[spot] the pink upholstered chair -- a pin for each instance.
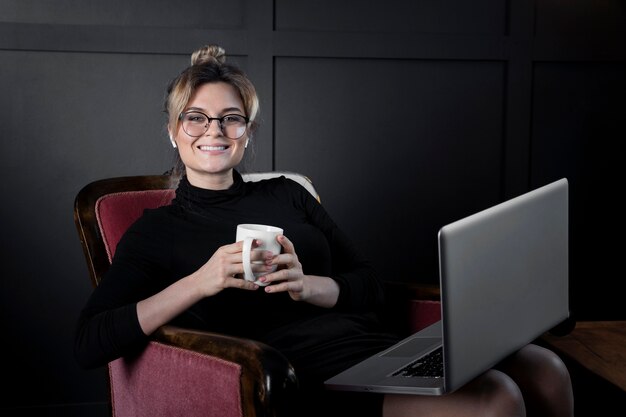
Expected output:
(183, 371)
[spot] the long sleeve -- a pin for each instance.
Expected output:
(108, 326)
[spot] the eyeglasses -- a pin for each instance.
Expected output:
(196, 124)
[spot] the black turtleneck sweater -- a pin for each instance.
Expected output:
(173, 241)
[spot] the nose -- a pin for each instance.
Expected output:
(214, 129)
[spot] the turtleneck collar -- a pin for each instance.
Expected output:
(195, 198)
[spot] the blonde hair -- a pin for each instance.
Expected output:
(209, 53)
(208, 64)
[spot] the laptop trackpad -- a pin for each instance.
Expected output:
(413, 346)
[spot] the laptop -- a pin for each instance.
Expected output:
(504, 281)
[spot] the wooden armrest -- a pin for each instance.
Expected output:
(267, 379)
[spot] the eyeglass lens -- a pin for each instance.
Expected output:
(233, 126)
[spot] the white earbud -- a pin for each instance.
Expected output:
(173, 141)
(246, 144)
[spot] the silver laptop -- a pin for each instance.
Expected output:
(504, 281)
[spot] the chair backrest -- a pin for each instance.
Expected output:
(104, 209)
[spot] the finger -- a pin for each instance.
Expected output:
(286, 244)
(278, 275)
(237, 247)
(257, 261)
(234, 255)
(238, 270)
(285, 286)
(260, 255)
(241, 283)
(283, 258)
(282, 287)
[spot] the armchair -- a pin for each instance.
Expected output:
(177, 372)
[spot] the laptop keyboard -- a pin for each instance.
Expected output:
(430, 365)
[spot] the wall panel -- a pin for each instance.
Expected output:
(388, 143)
(580, 18)
(188, 14)
(400, 16)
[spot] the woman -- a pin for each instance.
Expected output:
(178, 264)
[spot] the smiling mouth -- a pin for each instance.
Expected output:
(213, 148)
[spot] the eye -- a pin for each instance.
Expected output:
(234, 119)
(198, 118)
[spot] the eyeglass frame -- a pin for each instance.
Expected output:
(220, 121)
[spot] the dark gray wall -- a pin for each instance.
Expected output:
(406, 114)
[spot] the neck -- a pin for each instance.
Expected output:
(216, 181)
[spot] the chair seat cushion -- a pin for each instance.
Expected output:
(164, 380)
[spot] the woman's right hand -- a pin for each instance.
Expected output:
(225, 269)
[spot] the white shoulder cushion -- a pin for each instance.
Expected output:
(303, 180)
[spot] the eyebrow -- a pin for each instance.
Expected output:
(224, 111)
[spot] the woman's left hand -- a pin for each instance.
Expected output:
(321, 291)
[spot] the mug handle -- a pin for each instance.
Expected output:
(247, 268)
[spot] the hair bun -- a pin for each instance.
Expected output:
(208, 53)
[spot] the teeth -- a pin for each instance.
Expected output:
(212, 148)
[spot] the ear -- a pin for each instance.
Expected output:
(172, 140)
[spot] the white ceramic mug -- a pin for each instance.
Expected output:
(267, 235)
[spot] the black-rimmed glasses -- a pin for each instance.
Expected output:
(196, 124)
